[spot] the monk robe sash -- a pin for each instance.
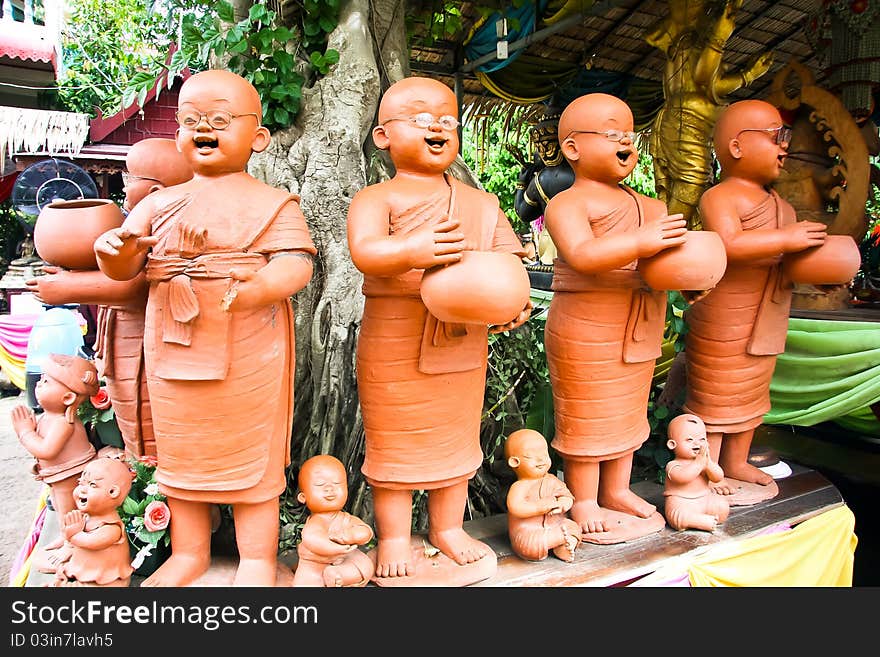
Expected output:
(771, 322)
(200, 351)
(647, 314)
(446, 346)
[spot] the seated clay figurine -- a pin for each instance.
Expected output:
(328, 552)
(94, 532)
(58, 439)
(691, 502)
(538, 501)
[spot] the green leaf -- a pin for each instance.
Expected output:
(239, 47)
(257, 12)
(331, 56)
(661, 412)
(327, 24)
(225, 11)
(281, 116)
(129, 506)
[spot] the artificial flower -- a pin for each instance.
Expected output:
(101, 400)
(157, 515)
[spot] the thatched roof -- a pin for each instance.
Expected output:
(609, 36)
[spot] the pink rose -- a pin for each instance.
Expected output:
(149, 461)
(157, 515)
(101, 400)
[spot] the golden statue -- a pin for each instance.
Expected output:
(695, 83)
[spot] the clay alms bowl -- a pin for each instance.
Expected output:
(65, 232)
(698, 264)
(833, 263)
(484, 287)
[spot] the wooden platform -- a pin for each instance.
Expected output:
(802, 495)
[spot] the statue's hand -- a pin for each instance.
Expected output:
(757, 66)
(435, 244)
(124, 242)
(516, 321)
(654, 237)
(74, 522)
(50, 288)
(23, 419)
(804, 234)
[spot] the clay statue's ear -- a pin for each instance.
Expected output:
(380, 138)
(300, 498)
(68, 398)
(670, 443)
(155, 188)
(570, 150)
(735, 149)
(113, 491)
(262, 137)
(513, 462)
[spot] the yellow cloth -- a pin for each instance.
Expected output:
(13, 367)
(20, 578)
(817, 552)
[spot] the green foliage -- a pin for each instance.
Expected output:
(495, 166)
(642, 177)
(144, 490)
(11, 231)
(105, 45)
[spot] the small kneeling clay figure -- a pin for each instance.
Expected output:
(691, 502)
(538, 501)
(328, 552)
(94, 532)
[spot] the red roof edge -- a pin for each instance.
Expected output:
(100, 127)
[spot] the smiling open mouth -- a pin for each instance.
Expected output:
(623, 156)
(435, 142)
(205, 142)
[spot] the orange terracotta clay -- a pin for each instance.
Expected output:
(421, 380)
(690, 501)
(737, 330)
(698, 264)
(328, 551)
(94, 533)
(223, 253)
(65, 230)
(152, 164)
(538, 502)
(58, 439)
(835, 262)
(605, 325)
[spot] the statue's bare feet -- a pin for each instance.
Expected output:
(458, 546)
(567, 549)
(255, 572)
(627, 502)
(179, 570)
(747, 472)
(589, 516)
(725, 487)
(393, 557)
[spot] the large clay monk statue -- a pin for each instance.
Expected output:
(420, 380)
(737, 330)
(605, 326)
(223, 253)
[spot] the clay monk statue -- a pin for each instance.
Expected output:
(736, 332)
(152, 164)
(421, 381)
(93, 531)
(605, 326)
(222, 253)
(328, 552)
(691, 503)
(58, 439)
(538, 502)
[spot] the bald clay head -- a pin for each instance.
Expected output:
(158, 159)
(212, 150)
(683, 424)
(740, 146)
(412, 148)
(113, 474)
(598, 156)
(518, 440)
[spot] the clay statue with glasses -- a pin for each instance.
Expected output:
(605, 326)
(223, 253)
(736, 331)
(420, 380)
(152, 164)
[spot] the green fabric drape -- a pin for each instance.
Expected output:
(830, 371)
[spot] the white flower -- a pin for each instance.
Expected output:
(142, 554)
(152, 489)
